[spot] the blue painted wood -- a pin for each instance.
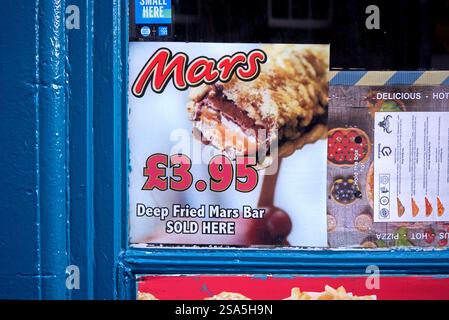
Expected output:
(34, 151)
(155, 261)
(53, 105)
(284, 261)
(97, 148)
(19, 82)
(80, 50)
(110, 110)
(97, 54)
(53, 149)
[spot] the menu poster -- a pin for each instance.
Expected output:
(388, 179)
(411, 177)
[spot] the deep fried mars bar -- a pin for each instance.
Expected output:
(285, 107)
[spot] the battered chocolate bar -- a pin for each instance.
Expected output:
(285, 107)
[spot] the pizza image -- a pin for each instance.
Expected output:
(429, 208)
(363, 222)
(401, 208)
(345, 191)
(440, 207)
(348, 146)
(283, 109)
(415, 208)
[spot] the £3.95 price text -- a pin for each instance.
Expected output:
(173, 172)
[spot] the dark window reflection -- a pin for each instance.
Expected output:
(187, 7)
(280, 9)
(414, 34)
(319, 9)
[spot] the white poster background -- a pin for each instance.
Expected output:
(410, 162)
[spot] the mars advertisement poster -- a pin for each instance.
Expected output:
(227, 144)
(290, 287)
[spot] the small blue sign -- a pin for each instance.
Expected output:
(152, 11)
(145, 31)
(162, 31)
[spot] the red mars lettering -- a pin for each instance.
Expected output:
(163, 66)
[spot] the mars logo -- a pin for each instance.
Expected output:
(163, 66)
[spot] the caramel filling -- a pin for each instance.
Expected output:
(225, 135)
(217, 101)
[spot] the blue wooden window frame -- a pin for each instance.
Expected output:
(99, 167)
